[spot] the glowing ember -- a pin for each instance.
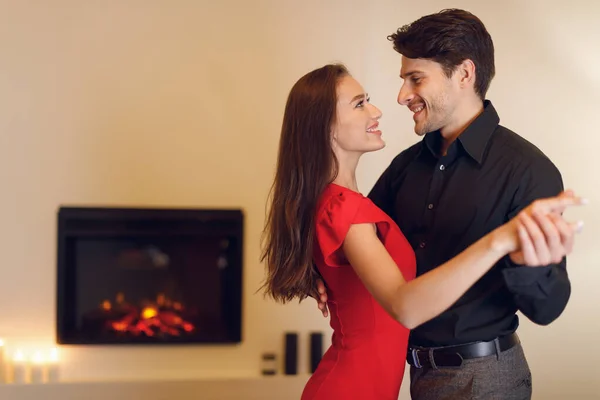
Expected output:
(149, 312)
(162, 317)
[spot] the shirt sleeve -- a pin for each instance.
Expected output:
(540, 293)
(333, 223)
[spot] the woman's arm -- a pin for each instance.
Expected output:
(382, 277)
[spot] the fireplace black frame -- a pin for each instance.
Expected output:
(77, 222)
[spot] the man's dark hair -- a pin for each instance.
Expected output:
(449, 37)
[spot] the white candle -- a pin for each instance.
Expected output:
(19, 368)
(3, 369)
(37, 368)
(53, 370)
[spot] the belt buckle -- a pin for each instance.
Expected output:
(415, 357)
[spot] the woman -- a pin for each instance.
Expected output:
(317, 216)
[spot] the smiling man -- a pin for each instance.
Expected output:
(468, 176)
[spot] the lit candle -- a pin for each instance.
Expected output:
(19, 368)
(3, 369)
(37, 368)
(52, 365)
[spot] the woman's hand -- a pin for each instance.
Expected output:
(538, 235)
(321, 297)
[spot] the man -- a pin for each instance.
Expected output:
(466, 177)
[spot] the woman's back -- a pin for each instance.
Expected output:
(368, 352)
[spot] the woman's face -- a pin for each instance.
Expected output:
(356, 127)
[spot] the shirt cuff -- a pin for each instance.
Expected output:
(520, 275)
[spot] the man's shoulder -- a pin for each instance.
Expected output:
(522, 150)
(407, 155)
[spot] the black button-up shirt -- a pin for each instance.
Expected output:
(443, 204)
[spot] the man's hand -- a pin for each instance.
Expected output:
(322, 298)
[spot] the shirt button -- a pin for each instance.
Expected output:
(422, 244)
(442, 167)
(430, 206)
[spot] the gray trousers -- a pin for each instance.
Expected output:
(503, 377)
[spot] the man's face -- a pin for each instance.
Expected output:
(429, 94)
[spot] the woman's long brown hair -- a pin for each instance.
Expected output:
(306, 164)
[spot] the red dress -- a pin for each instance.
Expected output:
(367, 356)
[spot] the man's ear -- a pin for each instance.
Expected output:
(466, 71)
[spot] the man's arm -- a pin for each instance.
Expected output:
(541, 294)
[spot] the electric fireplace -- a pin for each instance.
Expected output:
(149, 276)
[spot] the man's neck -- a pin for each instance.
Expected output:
(462, 118)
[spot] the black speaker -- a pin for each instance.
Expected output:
(291, 353)
(316, 350)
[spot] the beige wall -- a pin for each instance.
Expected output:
(179, 103)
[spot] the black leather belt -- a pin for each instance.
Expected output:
(453, 356)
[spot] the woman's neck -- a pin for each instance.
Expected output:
(346, 175)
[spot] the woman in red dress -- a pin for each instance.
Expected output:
(319, 219)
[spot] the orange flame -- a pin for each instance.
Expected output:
(149, 312)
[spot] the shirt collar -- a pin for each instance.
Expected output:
(475, 137)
